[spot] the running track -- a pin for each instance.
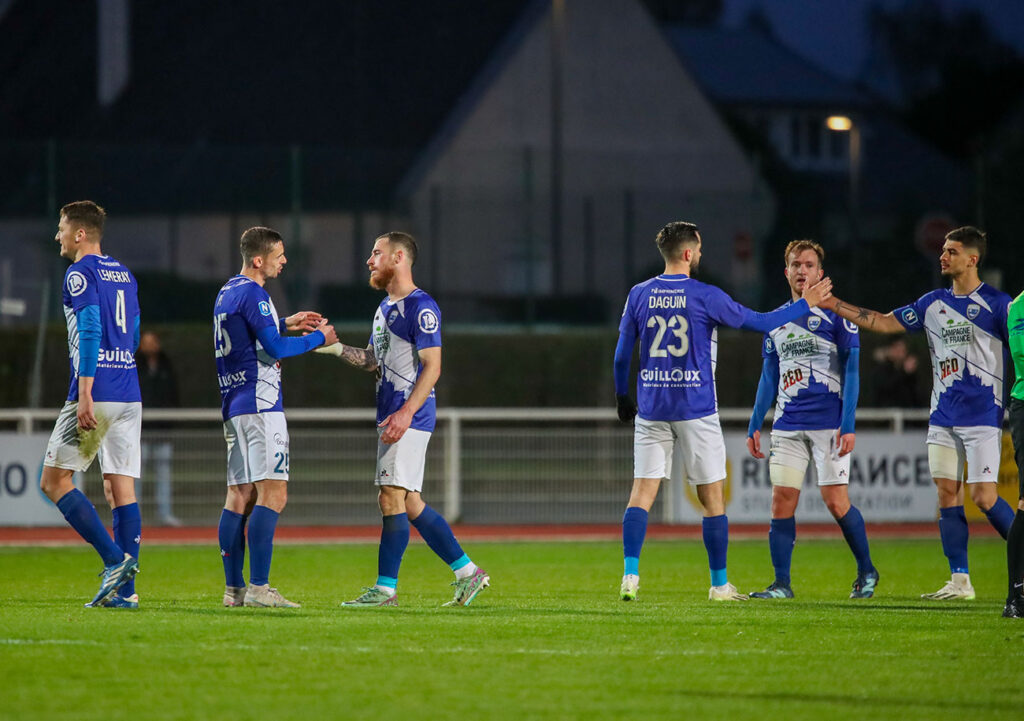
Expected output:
(64, 536)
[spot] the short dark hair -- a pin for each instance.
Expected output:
(671, 239)
(799, 246)
(86, 213)
(408, 243)
(970, 237)
(257, 242)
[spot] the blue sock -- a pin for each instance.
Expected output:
(953, 531)
(1000, 516)
(634, 530)
(262, 523)
(231, 536)
(852, 525)
(781, 537)
(438, 535)
(394, 537)
(716, 541)
(128, 534)
(82, 516)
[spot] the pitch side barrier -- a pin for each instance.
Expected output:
(484, 466)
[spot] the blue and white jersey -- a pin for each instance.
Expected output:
(400, 330)
(676, 320)
(103, 283)
(810, 373)
(967, 337)
(249, 377)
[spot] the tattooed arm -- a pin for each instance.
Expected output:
(867, 319)
(362, 358)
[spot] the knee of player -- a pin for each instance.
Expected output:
(984, 495)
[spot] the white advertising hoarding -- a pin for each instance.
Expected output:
(22, 502)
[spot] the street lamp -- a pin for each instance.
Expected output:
(845, 124)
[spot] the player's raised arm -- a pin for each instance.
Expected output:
(867, 319)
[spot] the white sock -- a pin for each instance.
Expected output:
(386, 589)
(466, 571)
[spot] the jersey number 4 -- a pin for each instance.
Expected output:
(678, 326)
(221, 339)
(120, 314)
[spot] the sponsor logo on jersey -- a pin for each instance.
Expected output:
(909, 316)
(118, 356)
(427, 320)
(769, 346)
(76, 283)
(954, 334)
(676, 300)
(231, 379)
(264, 307)
(813, 323)
(850, 326)
(676, 375)
(972, 311)
(799, 347)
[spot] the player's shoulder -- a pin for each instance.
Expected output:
(994, 296)
(423, 310)
(420, 298)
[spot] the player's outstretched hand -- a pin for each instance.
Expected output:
(306, 320)
(330, 336)
(845, 442)
(818, 292)
(625, 406)
(754, 445)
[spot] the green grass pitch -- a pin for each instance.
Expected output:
(548, 640)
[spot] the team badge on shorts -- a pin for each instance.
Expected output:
(813, 323)
(972, 311)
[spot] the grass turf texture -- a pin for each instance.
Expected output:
(548, 640)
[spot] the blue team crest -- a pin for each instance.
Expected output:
(909, 316)
(427, 320)
(264, 307)
(76, 283)
(813, 323)
(392, 316)
(972, 311)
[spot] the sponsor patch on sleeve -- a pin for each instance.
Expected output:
(427, 320)
(76, 283)
(264, 307)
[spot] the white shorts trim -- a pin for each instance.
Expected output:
(800, 450)
(402, 464)
(257, 446)
(119, 451)
(693, 449)
(979, 446)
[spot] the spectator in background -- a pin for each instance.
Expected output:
(159, 388)
(897, 377)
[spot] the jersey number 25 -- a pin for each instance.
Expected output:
(678, 325)
(221, 338)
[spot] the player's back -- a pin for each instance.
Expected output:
(675, 319)
(249, 378)
(103, 282)
(967, 338)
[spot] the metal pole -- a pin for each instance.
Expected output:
(557, 65)
(453, 469)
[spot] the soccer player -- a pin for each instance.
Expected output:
(811, 365)
(677, 427)
(103, 412)
(405, 353)
(1015, 538)
(967, 337)
(248, 346)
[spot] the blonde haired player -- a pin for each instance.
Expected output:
(810, 365)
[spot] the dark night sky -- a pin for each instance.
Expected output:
(833, 33)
